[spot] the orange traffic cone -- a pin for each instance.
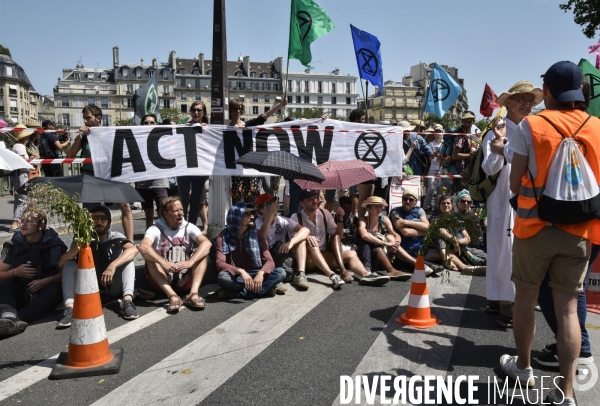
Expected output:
(592, 293)
(89, 353)
(418, 314)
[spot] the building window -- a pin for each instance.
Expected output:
(76, 76)
(393, 102)
(104, 102)
(405, 113)
(242, 97)
(196, 72)
(348, 100)
(182, 71)
(166, 103)
(12, 91)
(320, 100)
(333, 112)
(129, 88)
(320, 87)
(394, 113)
(9, 71)
(290, 99)
(165, 74)
(90, 77)
(263, 75)
(183, 96)
(64, 101)
(289, 85)
(254, 109)
(333, 88)
(129, 103)
(184, 108)
(209, 72)
(348, 88)
(106, 120)
(238, 74)
(276, 75)
(298, 99)
(13, 107)
(166, 88)
(150, 73)
(125, 72)
(403, 92)
(252, 74)
(306, 86)
(254, 98)
(276, 87)
(66, 119)
(267, 98)
(334, 100)
(91, 101)
(267, 109)
(198, 96)
(306, 99)
(404, 103)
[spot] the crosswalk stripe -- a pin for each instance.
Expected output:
(402, 350)
(30, 376)
(191, 374)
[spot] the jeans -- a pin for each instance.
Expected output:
(546, 302)
(365, 252)
(227, 281)
(122, 284)
(15, 298)
(196, 184)
(294, 198)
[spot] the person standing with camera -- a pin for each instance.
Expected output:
(49, 145)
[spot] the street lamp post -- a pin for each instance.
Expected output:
(419, 99)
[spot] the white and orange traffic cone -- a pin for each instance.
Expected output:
(592, 293)
(89, 353)
(418, 314)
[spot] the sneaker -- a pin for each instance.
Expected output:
(10, 326)
(300, 281)
(548, 359)
(554, 398)
(271, 292)
(374, 279)
(428, 270)
(525, 376)
(493, 306)
(397, 275)
(347, 278)
(550, 348)
(505, 321)
(128, 310)
(537, 308)
(225, 294)
(474, 270)
(280, 289)
(66, 320)
(143, 294)
(337, 281)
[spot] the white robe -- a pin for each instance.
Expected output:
(500, 218)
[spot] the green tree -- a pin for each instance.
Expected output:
(445, 121)
(125, 122)
(483, 123)
(173, 114)
(586, 14)
(4, 51)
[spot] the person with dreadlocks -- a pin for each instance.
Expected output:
(246, 268)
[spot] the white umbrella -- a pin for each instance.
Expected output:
(10, 161)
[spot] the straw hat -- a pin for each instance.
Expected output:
(33, 124)
(20, 132)
(374, 201)
(521, 87)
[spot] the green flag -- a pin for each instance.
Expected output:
(307, 23)
(593, 77)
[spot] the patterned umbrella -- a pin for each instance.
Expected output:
(341, 175)
(281, 163)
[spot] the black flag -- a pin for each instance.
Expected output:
(145, 100)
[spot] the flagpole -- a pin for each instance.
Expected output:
(366, 99)
(287, 67)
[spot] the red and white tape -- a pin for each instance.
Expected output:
(61, 161)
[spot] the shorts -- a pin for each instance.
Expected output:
(329, 259)
(151, 196)
(565, 256)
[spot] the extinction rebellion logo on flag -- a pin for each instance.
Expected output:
(305, 23)
(440, 90)
(370, 63)
(594, 82)
(151, 102)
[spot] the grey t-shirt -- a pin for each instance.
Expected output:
(161, 183)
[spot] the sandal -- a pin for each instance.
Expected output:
(194, 301)
(174, 308)
(346, 277)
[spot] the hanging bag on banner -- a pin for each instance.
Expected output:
(571, 194)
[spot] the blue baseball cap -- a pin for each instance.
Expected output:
(564, 82)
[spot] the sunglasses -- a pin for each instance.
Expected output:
(409, 199)
(196, 111)
(237, 109)
(466, 201)
(149, 122)
(101, 217)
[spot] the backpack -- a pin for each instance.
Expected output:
(571, 194)
(44, 147)
(481, 185)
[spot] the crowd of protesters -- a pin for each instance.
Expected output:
(357, 237)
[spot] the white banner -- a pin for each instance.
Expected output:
(131, 154)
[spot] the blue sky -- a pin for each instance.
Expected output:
(498, 42)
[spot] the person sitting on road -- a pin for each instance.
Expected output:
(411, 223)
(176, 255)
(275, 229)
(378, 240)
(113, 259)
(245, 266)
(459, 239)
(463, 203)
(325, 243)
(29, 273)
(350, 234)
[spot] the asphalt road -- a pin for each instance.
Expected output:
(287, 350)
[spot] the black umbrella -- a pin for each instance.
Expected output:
(281, 163)
(90, 189)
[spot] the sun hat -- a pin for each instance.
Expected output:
(564, 82)
(410, 192)
(522, 87)
(406, 126)
(20, 132)
(374, 201)
(467, 115)
(438, 127)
